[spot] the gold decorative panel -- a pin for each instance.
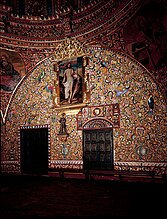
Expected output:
(68, 48)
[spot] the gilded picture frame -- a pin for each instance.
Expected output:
(70, 83)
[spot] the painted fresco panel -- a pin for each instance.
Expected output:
(11, 70)
(146, 36)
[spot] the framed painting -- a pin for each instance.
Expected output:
(70, 80)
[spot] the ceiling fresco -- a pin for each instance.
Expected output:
(146, 36)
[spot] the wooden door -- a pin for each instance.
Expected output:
(98, 149)
(34, 150)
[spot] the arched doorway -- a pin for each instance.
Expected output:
(97, 124)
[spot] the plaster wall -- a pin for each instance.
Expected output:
(113, 78)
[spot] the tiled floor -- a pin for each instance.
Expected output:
(50, 197)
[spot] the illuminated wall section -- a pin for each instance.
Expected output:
(111, 78)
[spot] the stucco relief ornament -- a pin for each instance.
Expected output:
(63, 134)
(70, 47)
(141, 151)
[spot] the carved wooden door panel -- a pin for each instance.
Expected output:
(98, 149)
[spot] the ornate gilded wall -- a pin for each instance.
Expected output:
(112, 78)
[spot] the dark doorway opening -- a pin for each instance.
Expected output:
(98, 149)
(34, 150)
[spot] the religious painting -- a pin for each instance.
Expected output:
(70, 78)
(11, 70)
(146, 36)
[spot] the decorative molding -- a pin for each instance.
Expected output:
(105, 116)
(157, 168)
(68, 48)
(67, 164)
(33, 126)
(10, 162)
(10, 166)
(140, 163)
(97, 124)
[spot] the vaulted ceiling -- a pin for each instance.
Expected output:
(54, 20)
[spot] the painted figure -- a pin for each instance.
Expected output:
(76, 84)
(68, 81)
(8, 75)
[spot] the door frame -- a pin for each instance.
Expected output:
(37, 127)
